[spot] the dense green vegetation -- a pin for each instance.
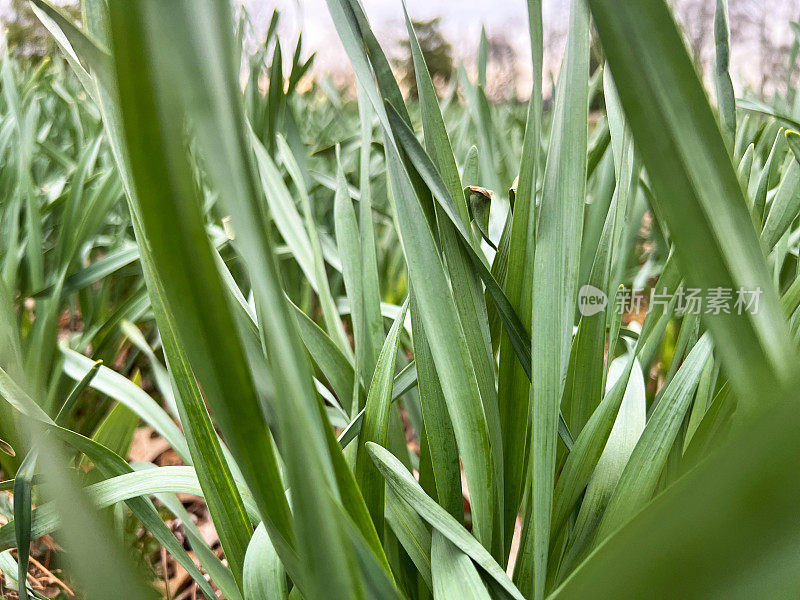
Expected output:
(366, 347)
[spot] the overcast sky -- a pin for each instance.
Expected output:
(461, 20)
(753, 21)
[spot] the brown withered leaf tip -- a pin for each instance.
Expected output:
(512, 191)
(480, 190)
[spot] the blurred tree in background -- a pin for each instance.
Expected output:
(761, 41)
(502, 56)
(437, 51)
(25, 35)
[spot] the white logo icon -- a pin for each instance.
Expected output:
(591, 300)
